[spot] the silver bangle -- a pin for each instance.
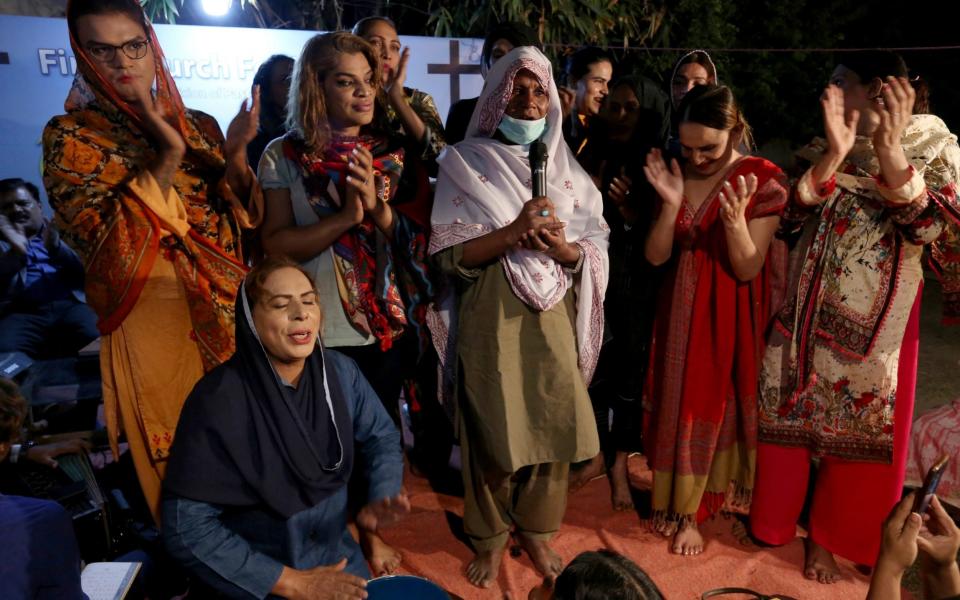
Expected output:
(578, 266)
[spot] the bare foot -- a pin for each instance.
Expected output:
(664, 528)
(688, 541)
(583, 475)
(819, 564)
(547, 562)
(484, 568)
(383, 558)
(620, 484)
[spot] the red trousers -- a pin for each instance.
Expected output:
(851, 499)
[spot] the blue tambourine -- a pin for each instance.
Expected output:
(404, 587)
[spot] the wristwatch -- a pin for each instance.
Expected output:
(18, 450)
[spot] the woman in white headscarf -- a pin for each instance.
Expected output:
(519, 329)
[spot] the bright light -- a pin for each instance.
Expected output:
(216, 8)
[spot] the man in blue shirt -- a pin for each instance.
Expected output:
(42, 308)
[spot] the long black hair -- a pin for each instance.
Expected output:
(880, 64)
(517, 34)
(604, 575)
(263, 79)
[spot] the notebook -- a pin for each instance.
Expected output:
(108, 580)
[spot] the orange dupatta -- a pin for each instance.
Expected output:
(92, 155)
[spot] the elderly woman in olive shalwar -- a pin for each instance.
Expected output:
(523, 323)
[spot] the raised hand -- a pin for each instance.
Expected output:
(841, 129)
(733, 203)
(667, 182)
(383, 512)
(171, 141)
(396, 78)
(895, 111)
(242, 129)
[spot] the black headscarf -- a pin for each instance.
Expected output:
(653, 125)
(610, 157)
(246, 439)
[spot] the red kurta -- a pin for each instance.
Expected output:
(701, 392)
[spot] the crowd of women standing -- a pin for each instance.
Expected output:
(735, 323)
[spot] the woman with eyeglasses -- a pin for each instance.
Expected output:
(840, 370)
(153, 198)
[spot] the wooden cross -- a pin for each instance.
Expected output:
(454, 69)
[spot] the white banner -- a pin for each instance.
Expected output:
(213, 68)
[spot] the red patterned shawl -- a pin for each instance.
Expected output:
(701, 391)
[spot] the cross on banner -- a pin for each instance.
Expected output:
(454, 69)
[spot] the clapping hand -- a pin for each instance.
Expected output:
(667, 182)
(361, 179)
(841, 129)
(242, 129)
(170, 139)
(895, 111)
(733, 203)
(395, 79)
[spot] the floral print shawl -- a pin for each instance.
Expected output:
(90, 157)
(829, 377)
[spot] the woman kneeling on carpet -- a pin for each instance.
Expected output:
(255, 499)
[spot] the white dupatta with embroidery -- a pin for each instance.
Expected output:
(483, 185)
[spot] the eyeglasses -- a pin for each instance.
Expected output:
(105, 53)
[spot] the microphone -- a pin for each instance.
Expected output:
(538, 168)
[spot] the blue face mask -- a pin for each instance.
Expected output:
(520, 131)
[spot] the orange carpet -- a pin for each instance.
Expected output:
(433, 546)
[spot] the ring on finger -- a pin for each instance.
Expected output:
(545, 213)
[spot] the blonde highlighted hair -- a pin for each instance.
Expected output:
(306, 104)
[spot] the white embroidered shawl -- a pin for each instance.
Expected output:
(482, 186)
